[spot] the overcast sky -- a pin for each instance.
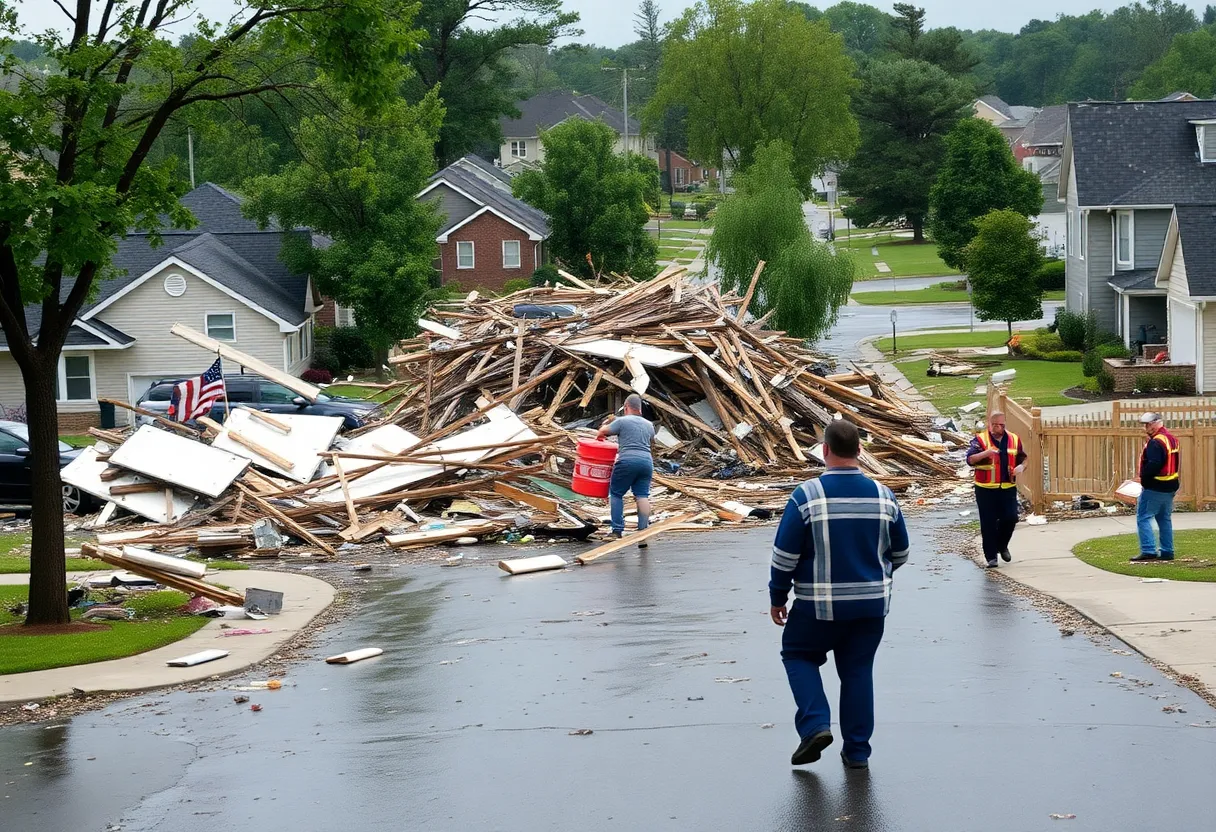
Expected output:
(606, 25)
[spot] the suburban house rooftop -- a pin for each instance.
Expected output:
(546, 109)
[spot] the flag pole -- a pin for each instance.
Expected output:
(220, 358)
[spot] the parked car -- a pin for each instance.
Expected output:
(258, 393)
(16, 478)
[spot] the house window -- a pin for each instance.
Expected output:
(1125, 239)
(519, 150)
(306, 349)
(1084, 233)
(221, 326)
(464, 254)
(74, 382)
(510, 254)
(679, 176)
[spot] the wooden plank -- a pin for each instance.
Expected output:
(560, 398)
(350, 507)
(260, 367)
(521, 496)
(160, 420)
(295, 527)
(751, 291)
(637, 537)
(724, 513)
(416, 540)
(137, 488)
(194, 587)
(582, 284)
(519, 354)
(591, 388)
(261, 450)
(267, 419)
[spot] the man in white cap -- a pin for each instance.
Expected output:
(1158, 476)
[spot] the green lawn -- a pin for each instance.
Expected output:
(686, 225)
(933, 294)
(78, 440)
(1194, 556)
(1041, 381)
(946, 340)
(15, 559)
(352, 391)
(156, 625)
(906, 259)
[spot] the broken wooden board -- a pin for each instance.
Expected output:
(540, 563)
(637, 537)
(84, 472)
(258, 366)
(439, 329)
(352, 656)
(612, 348)
(309, 437)
(386, 440)
(430, 537)
(178, 461)
(165, 563)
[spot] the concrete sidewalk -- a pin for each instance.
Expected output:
(1173, 622)
(304, 599)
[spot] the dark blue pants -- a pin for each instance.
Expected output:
(998, 510)
(805, 645)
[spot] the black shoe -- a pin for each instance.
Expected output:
(1142, 558)
(992, 564)
(854, 764)
(1005, 556)
(811, 748)
(1166, 556)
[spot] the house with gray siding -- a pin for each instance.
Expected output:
(223, 277)
(1138, 185)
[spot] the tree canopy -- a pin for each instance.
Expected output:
(906, 107)
(752, 73)
(595, 200)
(804, 280)
(1002, 261)
(977, 175)
(1189, 65)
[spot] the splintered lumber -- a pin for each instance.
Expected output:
(540, 563)
(724, 512)
(260, 367)
(637, 537)
(114, 557)
(292, 525)
(160, 420)
(422, 539)
(164, 563)
(267, 419)
(546, 504)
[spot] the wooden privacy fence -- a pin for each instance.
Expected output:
(1095, 454)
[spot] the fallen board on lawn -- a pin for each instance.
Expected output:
(194, 587)
(540, 563)
(353, 656)
(165, 563)
(197, 658)
(638, 537)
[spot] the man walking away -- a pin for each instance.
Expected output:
(997, 457)
(1159, 469)
(634, 466)
(841, 537)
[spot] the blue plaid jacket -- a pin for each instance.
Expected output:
(841, 537)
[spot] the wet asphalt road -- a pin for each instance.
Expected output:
(988, 718)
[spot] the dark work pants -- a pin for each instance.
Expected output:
(998, 515)
(805, 645)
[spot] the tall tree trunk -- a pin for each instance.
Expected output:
(48, 571)
(381, 363)
(918, 229)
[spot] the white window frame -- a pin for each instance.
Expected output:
(679, 173)
(472, 254)
(1201, 135)
(207, 326)
(519, 150)
(519, 255)
(1130, 262)
(306, 345)
(61, 379)
(1069, 222)
(1084, 246)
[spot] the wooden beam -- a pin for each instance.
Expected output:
(350, 507)
(295, 527)
(724, 513)
(160, 420)
(137, 488)
(591, 388)
(267, 419)
(636, 537)
(751, 291)
(521, 496)
(259, 366)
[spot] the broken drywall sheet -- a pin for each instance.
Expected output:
(183, 462)
(611, 348)
(301, 446)
(84, 472)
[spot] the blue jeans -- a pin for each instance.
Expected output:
(1159, 506)
(805, 645)
(631, 473)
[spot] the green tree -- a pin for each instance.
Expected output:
(977, 175)
(356, 184)
(77, 174)
(941, 47)
(1003, 260)
(470, 63)
(804, 280)
(864, 28)
(905, 108)
(751, 73)
(648, 169)
(1189, 65)
(595, 200)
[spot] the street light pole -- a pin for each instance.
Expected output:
(894, 318)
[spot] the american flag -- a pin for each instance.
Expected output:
(194, 396)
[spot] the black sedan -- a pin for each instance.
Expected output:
(16, 477)
(258, 393)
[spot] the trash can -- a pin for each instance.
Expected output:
(107, 416)
(593, 467)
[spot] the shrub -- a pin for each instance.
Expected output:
(1063, 356)
(1095, 334)
(546, 274)
(351, 349)
(516, 284)
(1106, 382)
(1071, 328)
(1091, 364)
(1038, 343)
(1051, 275)
(702, 210)
(317, 376)
(677, 208)
(1112, 351)
(1172, 383)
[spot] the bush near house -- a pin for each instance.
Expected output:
(1070, 326)
(1106, 382)
(1151, 382)
(317, 376)
(546, 275)
(341, 349)
(1043, 345)
(1050, 276)
(515, 285)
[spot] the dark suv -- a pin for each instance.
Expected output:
(258, 393)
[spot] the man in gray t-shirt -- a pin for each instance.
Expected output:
(634, 466)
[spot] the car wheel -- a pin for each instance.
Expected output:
(72, 499)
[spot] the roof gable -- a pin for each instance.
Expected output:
(1197, 239)
(546, 109)
(474, 187)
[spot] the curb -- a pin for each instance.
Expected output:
(305, 598)
(890, 374)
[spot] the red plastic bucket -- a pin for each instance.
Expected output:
(593, 467)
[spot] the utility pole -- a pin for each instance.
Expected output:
(190, 153)
(624, 70)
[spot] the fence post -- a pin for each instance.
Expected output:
(1116, 425)
(1037, 502)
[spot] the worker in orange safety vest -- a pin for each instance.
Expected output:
(1158, 473)
(997, 457)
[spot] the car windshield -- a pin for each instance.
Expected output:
(23, 433)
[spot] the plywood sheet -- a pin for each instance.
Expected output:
(191, 465)
(611, 348)
(309, 437)
(84, 472)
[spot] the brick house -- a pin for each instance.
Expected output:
(488, 236)
(685, 173)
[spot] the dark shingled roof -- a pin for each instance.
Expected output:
(1197, 231)
(1047, 128)
(546, 109)
(218, 210)
(1140, 153)
(997, 104)
(493, 195)
(1134, 280)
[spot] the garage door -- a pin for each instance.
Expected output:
(1182, 333)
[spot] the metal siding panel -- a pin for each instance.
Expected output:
(1209, 347)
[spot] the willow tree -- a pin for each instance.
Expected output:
(77, 169)
(804, 281)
